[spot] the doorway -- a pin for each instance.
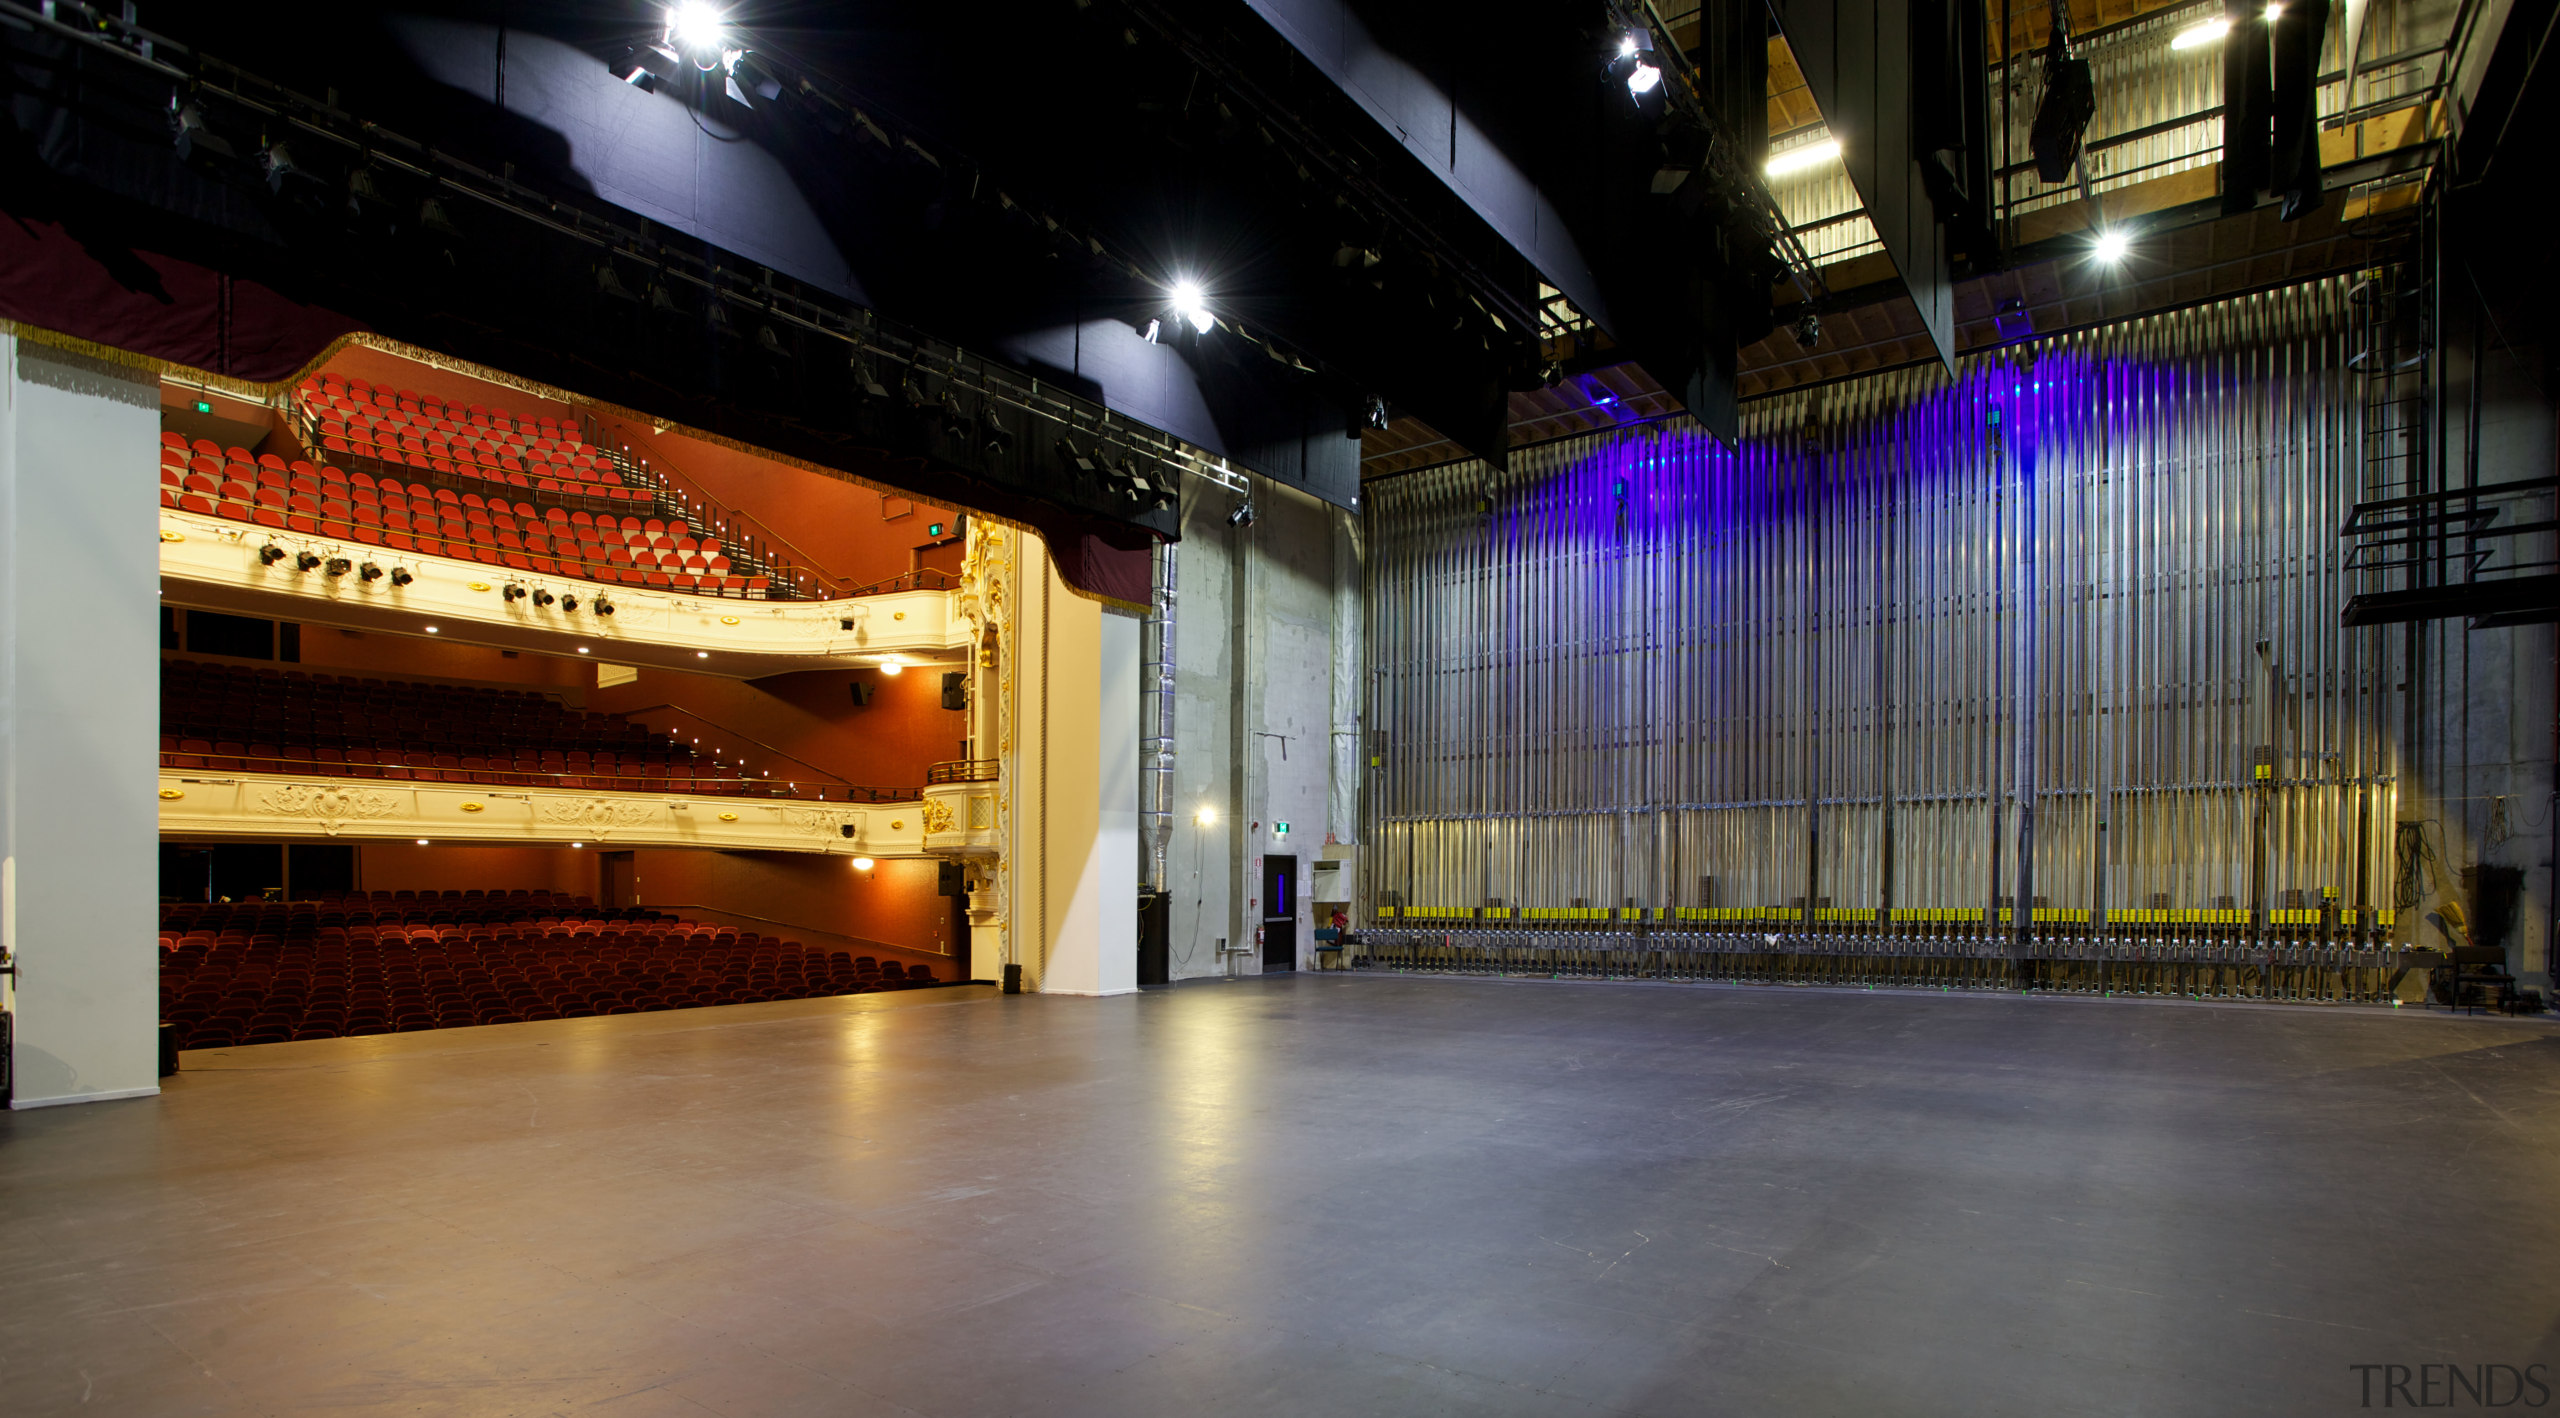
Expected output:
(617, 880)
(1279, 914)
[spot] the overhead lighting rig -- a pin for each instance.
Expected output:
(1642, 39)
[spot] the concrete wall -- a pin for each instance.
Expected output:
(1267, 694)
(79, 723)
(2481, 786)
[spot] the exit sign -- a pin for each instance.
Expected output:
(204, 406)
(1279, 829)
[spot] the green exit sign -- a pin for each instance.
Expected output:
(204, 406)
(933, 529)
(1280, 829)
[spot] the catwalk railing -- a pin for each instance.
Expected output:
(2062, 629)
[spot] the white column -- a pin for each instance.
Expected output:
(1116, 850)
(79, 722)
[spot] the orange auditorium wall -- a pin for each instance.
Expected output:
(399, 866)
(817, 899)
(846, 530)
(808, 717)
(380, 656)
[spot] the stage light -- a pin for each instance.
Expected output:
(700, 30)
(603, 606)
(193, 136)
(401, 576)
(1798, 159)
(306, 561)
(1634, 63)
(270, 554)
(542, 597)
(1192, 304)
(2112, 246)
(2195, 36)
(339, 566)
(863, 864)
(1807, 330)
(513, 592)
(371, 572)
(1242, 516)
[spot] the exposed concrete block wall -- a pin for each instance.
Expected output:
(1267, 695)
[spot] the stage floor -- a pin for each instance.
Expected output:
(1310, 1194)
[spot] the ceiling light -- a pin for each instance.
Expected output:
(1798, 159)
(577, 844)
(2112, 246)
(702, 654)
(1206, 815)
(893, 667)
(582, 649)
(863, 864)
(2206, 33)
(422, 841)
(1192, 304)
(431, 630)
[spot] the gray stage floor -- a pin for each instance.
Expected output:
(1304, 1195)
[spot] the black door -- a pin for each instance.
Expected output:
(1279, 914)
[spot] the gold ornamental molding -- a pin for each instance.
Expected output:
(602, 816)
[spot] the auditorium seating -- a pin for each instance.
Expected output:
(267, 972)
(630, 549)
(237, 718)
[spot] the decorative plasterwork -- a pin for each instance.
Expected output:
(252, 805)
(330, 805)
(213, 564)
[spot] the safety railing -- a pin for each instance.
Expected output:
(963, 770)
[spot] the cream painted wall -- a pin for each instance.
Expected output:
(79, 722)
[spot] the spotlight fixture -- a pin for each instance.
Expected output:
(2062, 115)
(570, 604)
(270, 553)
(542, 597)
(277, 159)
(339, 566)
(1192, 304)
(845, 828)
(371, 572)
(306, 561)
(1798, 159)
(603, 606)
(1242, 516)
(402, 576)
(1634, 62)
(193, 136)
(2112, 246)
(1807, 330)
(700, 30)
(513, 592)
(1378, 416)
